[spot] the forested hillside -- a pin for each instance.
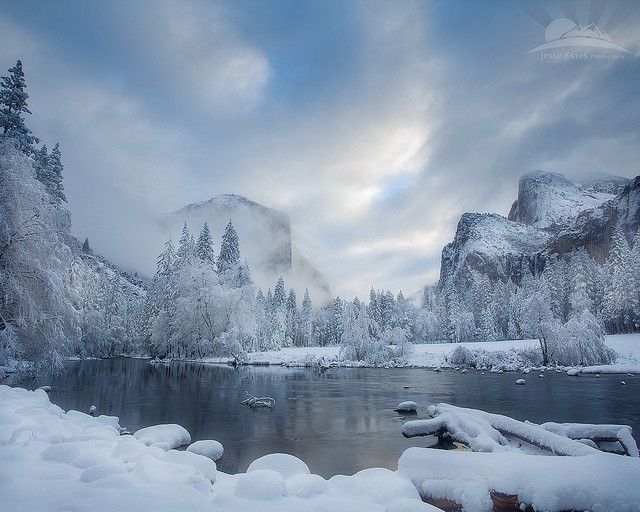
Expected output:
(562, 269)
(57, 298)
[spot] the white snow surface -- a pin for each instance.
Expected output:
(52, 460)
(600, 482)
(551, 199)
(437, 355)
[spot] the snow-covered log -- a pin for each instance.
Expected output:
(487, 432)
(482, 482)
(599, 434)
(263, 401)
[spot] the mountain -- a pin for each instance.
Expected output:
(551, 216)
(549, 201)
(489, 244)
(593, 227)
(265, 240)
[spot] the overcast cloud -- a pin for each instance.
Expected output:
(373, 124)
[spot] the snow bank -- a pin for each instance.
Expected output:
(599, 482)
(512, 355)
(52, 460)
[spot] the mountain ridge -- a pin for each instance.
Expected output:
(551, 217)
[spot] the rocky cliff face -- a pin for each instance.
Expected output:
(265, 240)
(549, 201)
(552, 216)
(592, 228)
(492, 245)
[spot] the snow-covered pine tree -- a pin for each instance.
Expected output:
(204, 246)
(306, 321)
(13, 103)
(229, 255)
(41, 165)
(620, 285)
(54, 183)
(278, 316)
(186, 247)
(292, 332)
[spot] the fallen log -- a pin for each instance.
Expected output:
(512, 481)
(599, 434)
(487, 432)
(501, 503)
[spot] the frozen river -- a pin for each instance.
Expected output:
(339, 421)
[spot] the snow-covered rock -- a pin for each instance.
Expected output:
(549, 201)
(408, 406)
(261, 485)
(207, 447)
(282, 463)
(171, 434)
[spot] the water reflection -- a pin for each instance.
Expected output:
(339, 421)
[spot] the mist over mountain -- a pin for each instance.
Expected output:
(265, 240)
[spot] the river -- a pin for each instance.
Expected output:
(338, 421)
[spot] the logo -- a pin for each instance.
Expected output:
(565, 33)
(567, 38)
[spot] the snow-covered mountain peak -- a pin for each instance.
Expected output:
(549, 201)
(491, 234)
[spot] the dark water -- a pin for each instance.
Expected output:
(339, 421)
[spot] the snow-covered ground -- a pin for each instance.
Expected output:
(52, 460)
(56, 461)
(435, 355)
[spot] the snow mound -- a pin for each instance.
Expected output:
(304, 486)
(101, 471)
(382, 486)
(198, 462)
(261, 485)
(208, 448)
(172, 434)
(62, 452)
(546, 483)
(284, 464)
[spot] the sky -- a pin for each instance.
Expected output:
(373, 124)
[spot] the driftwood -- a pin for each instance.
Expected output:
(501, 503)
(602, 435)
(483, 431)
(264, 401)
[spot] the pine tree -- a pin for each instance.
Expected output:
(185, 251)
(292, 318)
(306, 320)
(85, 246)
(204, 245)
(41, 166)
(619, 284)
(13, 103)
(54, 184)
(229, 249)
(166, 260)
(279, 295)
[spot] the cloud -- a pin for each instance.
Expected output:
(374, 126)
(205, 58)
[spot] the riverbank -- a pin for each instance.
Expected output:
(57, 460)
(496, 355)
